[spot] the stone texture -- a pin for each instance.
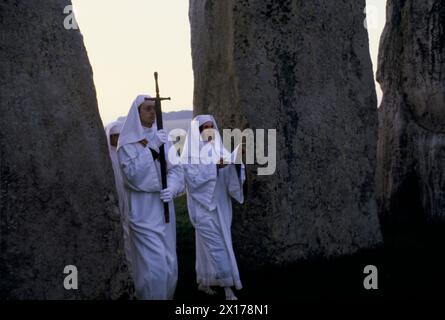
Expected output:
(303, 68)
(58, 204)
(411, 147)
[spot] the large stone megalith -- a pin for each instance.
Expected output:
(411, 148)
(303, 68)
(58, 204)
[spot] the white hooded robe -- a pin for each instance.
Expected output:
(209, 194)
(152, 241)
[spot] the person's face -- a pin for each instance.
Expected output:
(147, 113)
(114, 138)
(207, 131)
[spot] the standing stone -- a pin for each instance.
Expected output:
(58, 203)
(304, 69)
(411, 148)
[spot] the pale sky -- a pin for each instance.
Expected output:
(128, 40)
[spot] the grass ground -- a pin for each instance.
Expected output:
(411, 269)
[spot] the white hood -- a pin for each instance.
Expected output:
(132, 130)
(196, 150)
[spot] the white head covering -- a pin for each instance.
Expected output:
(194, 144)
(132, 130)
(203, 118)
(114, 127)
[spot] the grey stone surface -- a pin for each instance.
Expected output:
(411, 147)
(58, 204)
(303, 68)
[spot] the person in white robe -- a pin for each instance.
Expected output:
(152, 240)
(210, 186)
(112, 131)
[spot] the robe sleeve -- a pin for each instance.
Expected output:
(234, 182)
(138, 168)
(175, 175)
